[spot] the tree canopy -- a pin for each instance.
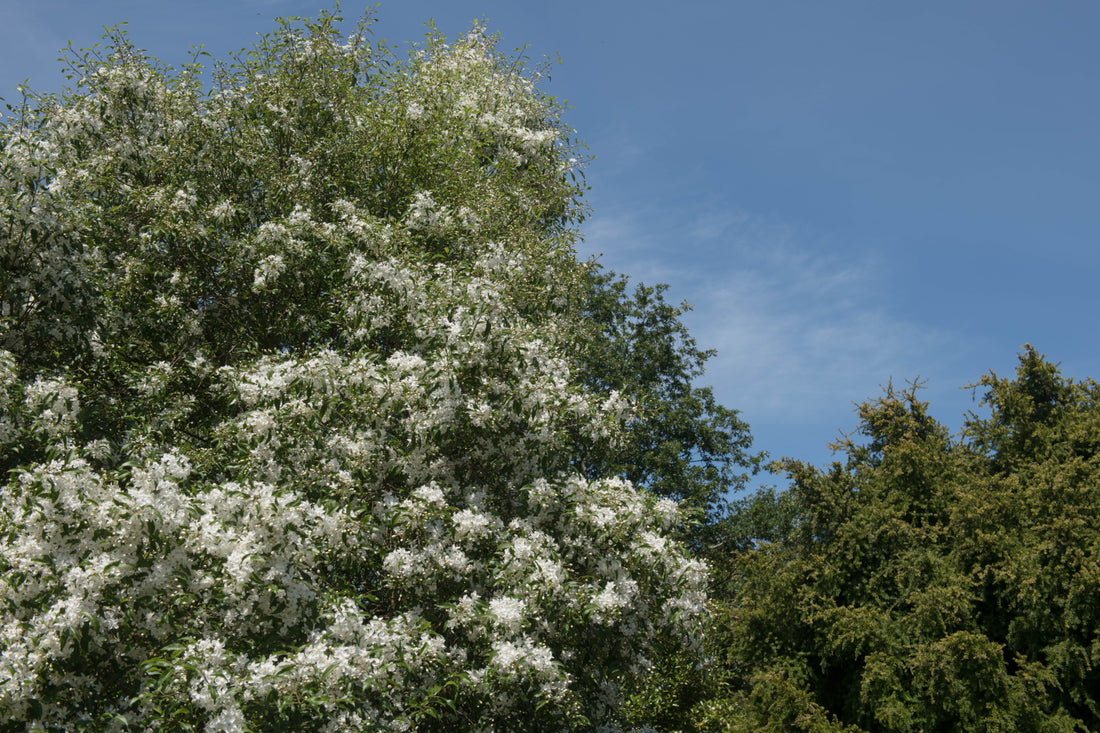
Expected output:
(312, 419)
(680, 442)
(929, 582)
(296, 424)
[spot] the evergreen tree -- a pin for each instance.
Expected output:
(932, 583)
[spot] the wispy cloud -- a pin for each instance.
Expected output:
(797, 329)
(801, 333)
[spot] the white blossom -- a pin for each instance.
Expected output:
(508, 612)
(284, 360)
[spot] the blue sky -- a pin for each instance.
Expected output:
(848, 192)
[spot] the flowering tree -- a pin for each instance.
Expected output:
(286, 409)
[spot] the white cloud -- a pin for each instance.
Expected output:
(796, 330)
(802, 330)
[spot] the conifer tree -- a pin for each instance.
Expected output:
(930, 582)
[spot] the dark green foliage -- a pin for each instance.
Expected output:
(665, 697)
(682, 443)
(930, 583)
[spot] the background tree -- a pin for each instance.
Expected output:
(929, 583)
(680, 443)
(287, 408)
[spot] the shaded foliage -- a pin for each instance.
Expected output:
(931, 583)
(681, 443)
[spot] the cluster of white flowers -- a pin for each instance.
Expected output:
(337, 486)
(424, 213)
(54, 404)
(268, 270)
(9, 386)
